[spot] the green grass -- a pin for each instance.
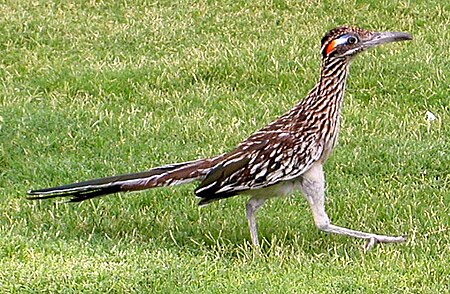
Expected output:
(91, 89)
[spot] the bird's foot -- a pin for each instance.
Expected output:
(372, 241)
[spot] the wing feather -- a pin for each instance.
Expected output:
(265, 159)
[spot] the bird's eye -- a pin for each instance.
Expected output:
(352, 40)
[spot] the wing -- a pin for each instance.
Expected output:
(264, 159)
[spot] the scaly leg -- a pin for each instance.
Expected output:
(313, 187)
(252, 206)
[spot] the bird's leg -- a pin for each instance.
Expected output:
(313, 187)
(252, 206)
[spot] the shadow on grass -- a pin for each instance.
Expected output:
(173, 221)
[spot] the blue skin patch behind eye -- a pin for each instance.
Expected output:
(342, 39)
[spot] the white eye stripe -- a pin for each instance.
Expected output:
(342, 40)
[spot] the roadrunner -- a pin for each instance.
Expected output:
(281, 158)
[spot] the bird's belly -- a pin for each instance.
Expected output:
(281, 189)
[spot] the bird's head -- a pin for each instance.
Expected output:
(346, 42)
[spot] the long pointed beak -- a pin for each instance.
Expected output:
(387, 37)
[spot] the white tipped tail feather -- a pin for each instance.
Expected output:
(167, 175)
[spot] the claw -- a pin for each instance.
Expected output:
(370, 243)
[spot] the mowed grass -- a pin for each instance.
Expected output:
(96, 88)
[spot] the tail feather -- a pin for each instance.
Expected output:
(168, 175)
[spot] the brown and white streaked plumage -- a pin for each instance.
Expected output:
(281, 158)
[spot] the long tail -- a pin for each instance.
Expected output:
(168, 175)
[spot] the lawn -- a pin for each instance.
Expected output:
(97, 88)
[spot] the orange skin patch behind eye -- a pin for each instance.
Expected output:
(331, 46)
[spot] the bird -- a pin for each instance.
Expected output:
(283, 157)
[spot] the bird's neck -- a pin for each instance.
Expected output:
(333, 78)
(328, 95)
(322, 107)
(324, 103)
